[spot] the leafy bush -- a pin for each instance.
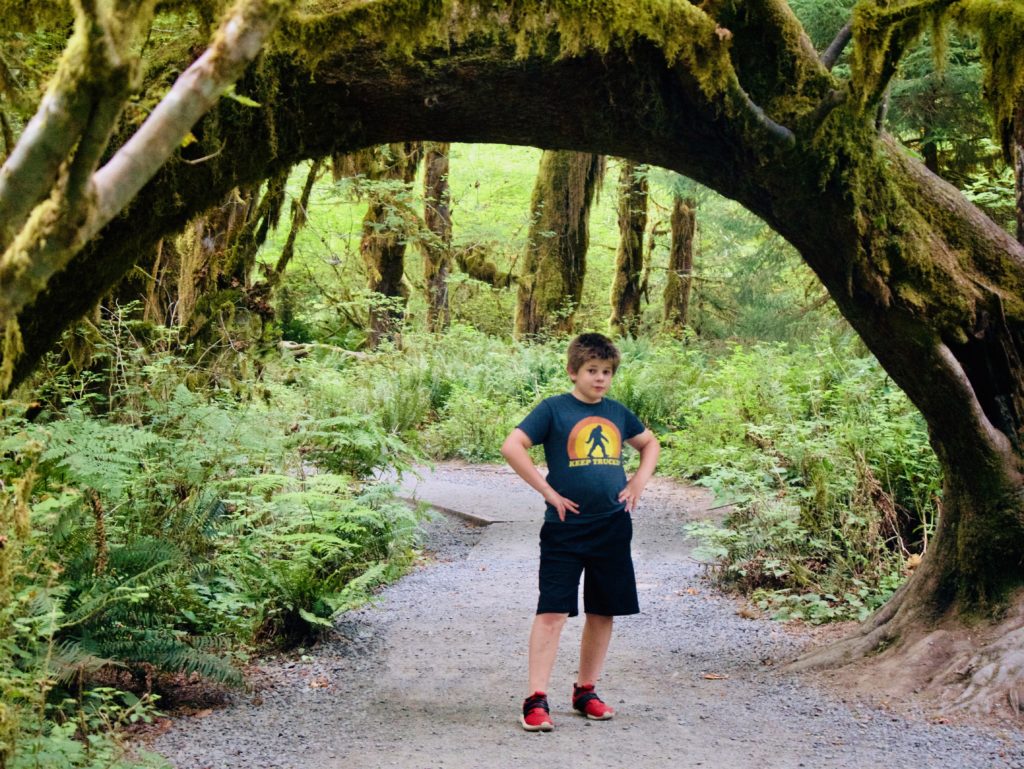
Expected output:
(157, 527)
(828, 468)
(288, 562)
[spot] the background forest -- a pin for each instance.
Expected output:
(196, 474)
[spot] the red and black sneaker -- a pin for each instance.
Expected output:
(586, 702)
(536, 713)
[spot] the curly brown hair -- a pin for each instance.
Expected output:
(592, 347)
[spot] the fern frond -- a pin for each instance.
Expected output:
(70, 659)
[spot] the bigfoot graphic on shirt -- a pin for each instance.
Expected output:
(594, 441)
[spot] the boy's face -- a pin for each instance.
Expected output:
(592, 380)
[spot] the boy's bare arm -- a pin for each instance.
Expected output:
(514, 449)
(649, 449)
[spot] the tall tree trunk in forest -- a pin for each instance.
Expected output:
(679, 282)
(383, 241)
(437, 246)
(629, 261)
(551, 280)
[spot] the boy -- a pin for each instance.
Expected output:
(587, 527)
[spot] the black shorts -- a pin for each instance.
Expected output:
(600, 550)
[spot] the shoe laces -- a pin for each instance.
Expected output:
(535, 701)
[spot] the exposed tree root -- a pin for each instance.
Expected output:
(953, 667)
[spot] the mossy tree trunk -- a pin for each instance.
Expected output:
(385, 234)
(679, 279)
(216, 297)
(732, 95)
(437, 245)
(551, 279)
(627, 287)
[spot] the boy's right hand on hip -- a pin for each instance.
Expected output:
(561, 504)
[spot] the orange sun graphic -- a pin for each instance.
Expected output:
(594, 438)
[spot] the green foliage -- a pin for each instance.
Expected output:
(824, 463)
(291, 560)
(152, 527)
(827, 467)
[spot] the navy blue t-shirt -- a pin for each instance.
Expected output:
(583, 449)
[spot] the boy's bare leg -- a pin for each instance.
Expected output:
(544, 636)
(597, 634)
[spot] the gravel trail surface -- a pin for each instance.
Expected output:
(432, 675)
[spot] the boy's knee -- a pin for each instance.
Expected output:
(551, 620)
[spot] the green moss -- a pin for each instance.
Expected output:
(686, 34)
(13, 349)
(883, 30)
(1000, 27)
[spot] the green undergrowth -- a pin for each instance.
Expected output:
(164, 520)
(819, 463)
(159, 526)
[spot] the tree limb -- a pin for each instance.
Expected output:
(238, 41)
(32, 167)
(776, 131)
(474, 262)
(830, 55)
(300, 209)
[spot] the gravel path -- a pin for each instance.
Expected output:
(432, 675)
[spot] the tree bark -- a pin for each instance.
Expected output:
(551, 280)
(679, 281)
(383, 242)
(629, 261)
(437, 246)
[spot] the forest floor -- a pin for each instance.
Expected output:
(432, 675)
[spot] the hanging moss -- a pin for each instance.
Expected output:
(883, 30)
(684, 33)
(1000, 27)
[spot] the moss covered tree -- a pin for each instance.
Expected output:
(679, 279)
(731, 94)
(627, 287)
(437, 244)
(60, 184)
(551, 279)
(386, 227)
